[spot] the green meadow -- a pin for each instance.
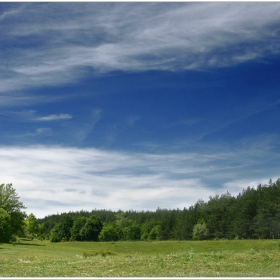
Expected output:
(216, 258)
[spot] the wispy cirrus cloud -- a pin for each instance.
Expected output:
(56, 43)
(132, 120)
(52, 179)
(81, 129)
(55, 117)
(32, 116)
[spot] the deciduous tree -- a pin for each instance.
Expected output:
(91, 229)
(31, 225)
(110, 233)
(5, 226)
(9, 201)
(76, 228)
(200, 231)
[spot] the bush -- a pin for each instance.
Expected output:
(103, 253)
(200, 231)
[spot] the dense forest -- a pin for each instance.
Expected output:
(254, 213)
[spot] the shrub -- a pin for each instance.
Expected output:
(103, 253)
(200, 231)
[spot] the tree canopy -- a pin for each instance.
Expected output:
(5, 226)
(9, 199)
(11, 215)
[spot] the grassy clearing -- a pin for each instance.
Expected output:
(223, 258)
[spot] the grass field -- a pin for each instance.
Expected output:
(223, 258)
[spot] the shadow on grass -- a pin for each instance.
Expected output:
(27, 244)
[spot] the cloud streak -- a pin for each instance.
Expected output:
(55, 117)
(59, 43)
(52, 179)
(32, 116)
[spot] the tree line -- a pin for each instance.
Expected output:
(254, 213)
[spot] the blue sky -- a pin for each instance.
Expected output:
(137, 105)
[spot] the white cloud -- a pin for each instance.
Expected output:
(55, 117)
(11, 12)
(52, 179)
(43, 130)
(59, 41)
(32, 116)
(236, 187)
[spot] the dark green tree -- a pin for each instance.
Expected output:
(91, 229)
(166, 228)
(55, 234)
(62, 230)
(149, 230)
(219, 214)
(5, 226)
(154, 233)
(132, 232)
(78, 224)
(110, 232)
